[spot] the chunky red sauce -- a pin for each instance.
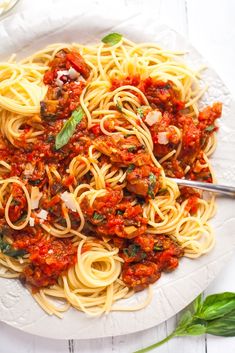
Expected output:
(118, 215)
(48, 258)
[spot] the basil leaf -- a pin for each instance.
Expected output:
(185, 319)
(112, 39)
(223, 326)
(217, 305)
(67, 131)
(197, 304)
(7, 249)
(130, 168)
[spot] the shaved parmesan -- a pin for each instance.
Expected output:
(69, 200)
(59, 83)
(35, 197)
(42, 214)
(162, 138)
(153, 117)
(73, 74)
(31, 221)
(62, 73)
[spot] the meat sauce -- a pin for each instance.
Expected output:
(48, 258)
(117, 216)
(163, 98)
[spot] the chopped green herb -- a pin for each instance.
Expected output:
(140, 111)
(143, 255)
(112, 39)
(157, 248)
(130, 168)
(98, 217)
(152, 184)
(210, 128)
(15, 202)
(22, 218)
(132, 250)
(35, 182)
(62, 221)
(7, 249)
(119, 212)
(67, 131)
(132, 149)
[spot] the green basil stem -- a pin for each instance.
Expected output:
(155, 345)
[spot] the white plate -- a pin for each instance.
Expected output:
(23, 34)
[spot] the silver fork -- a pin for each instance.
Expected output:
(221, 189)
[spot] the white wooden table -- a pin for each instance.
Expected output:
(210, 26)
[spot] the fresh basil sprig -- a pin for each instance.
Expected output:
(67, 131)
(112, 39)
(215, 315)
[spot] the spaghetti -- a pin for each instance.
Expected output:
(89, 136)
